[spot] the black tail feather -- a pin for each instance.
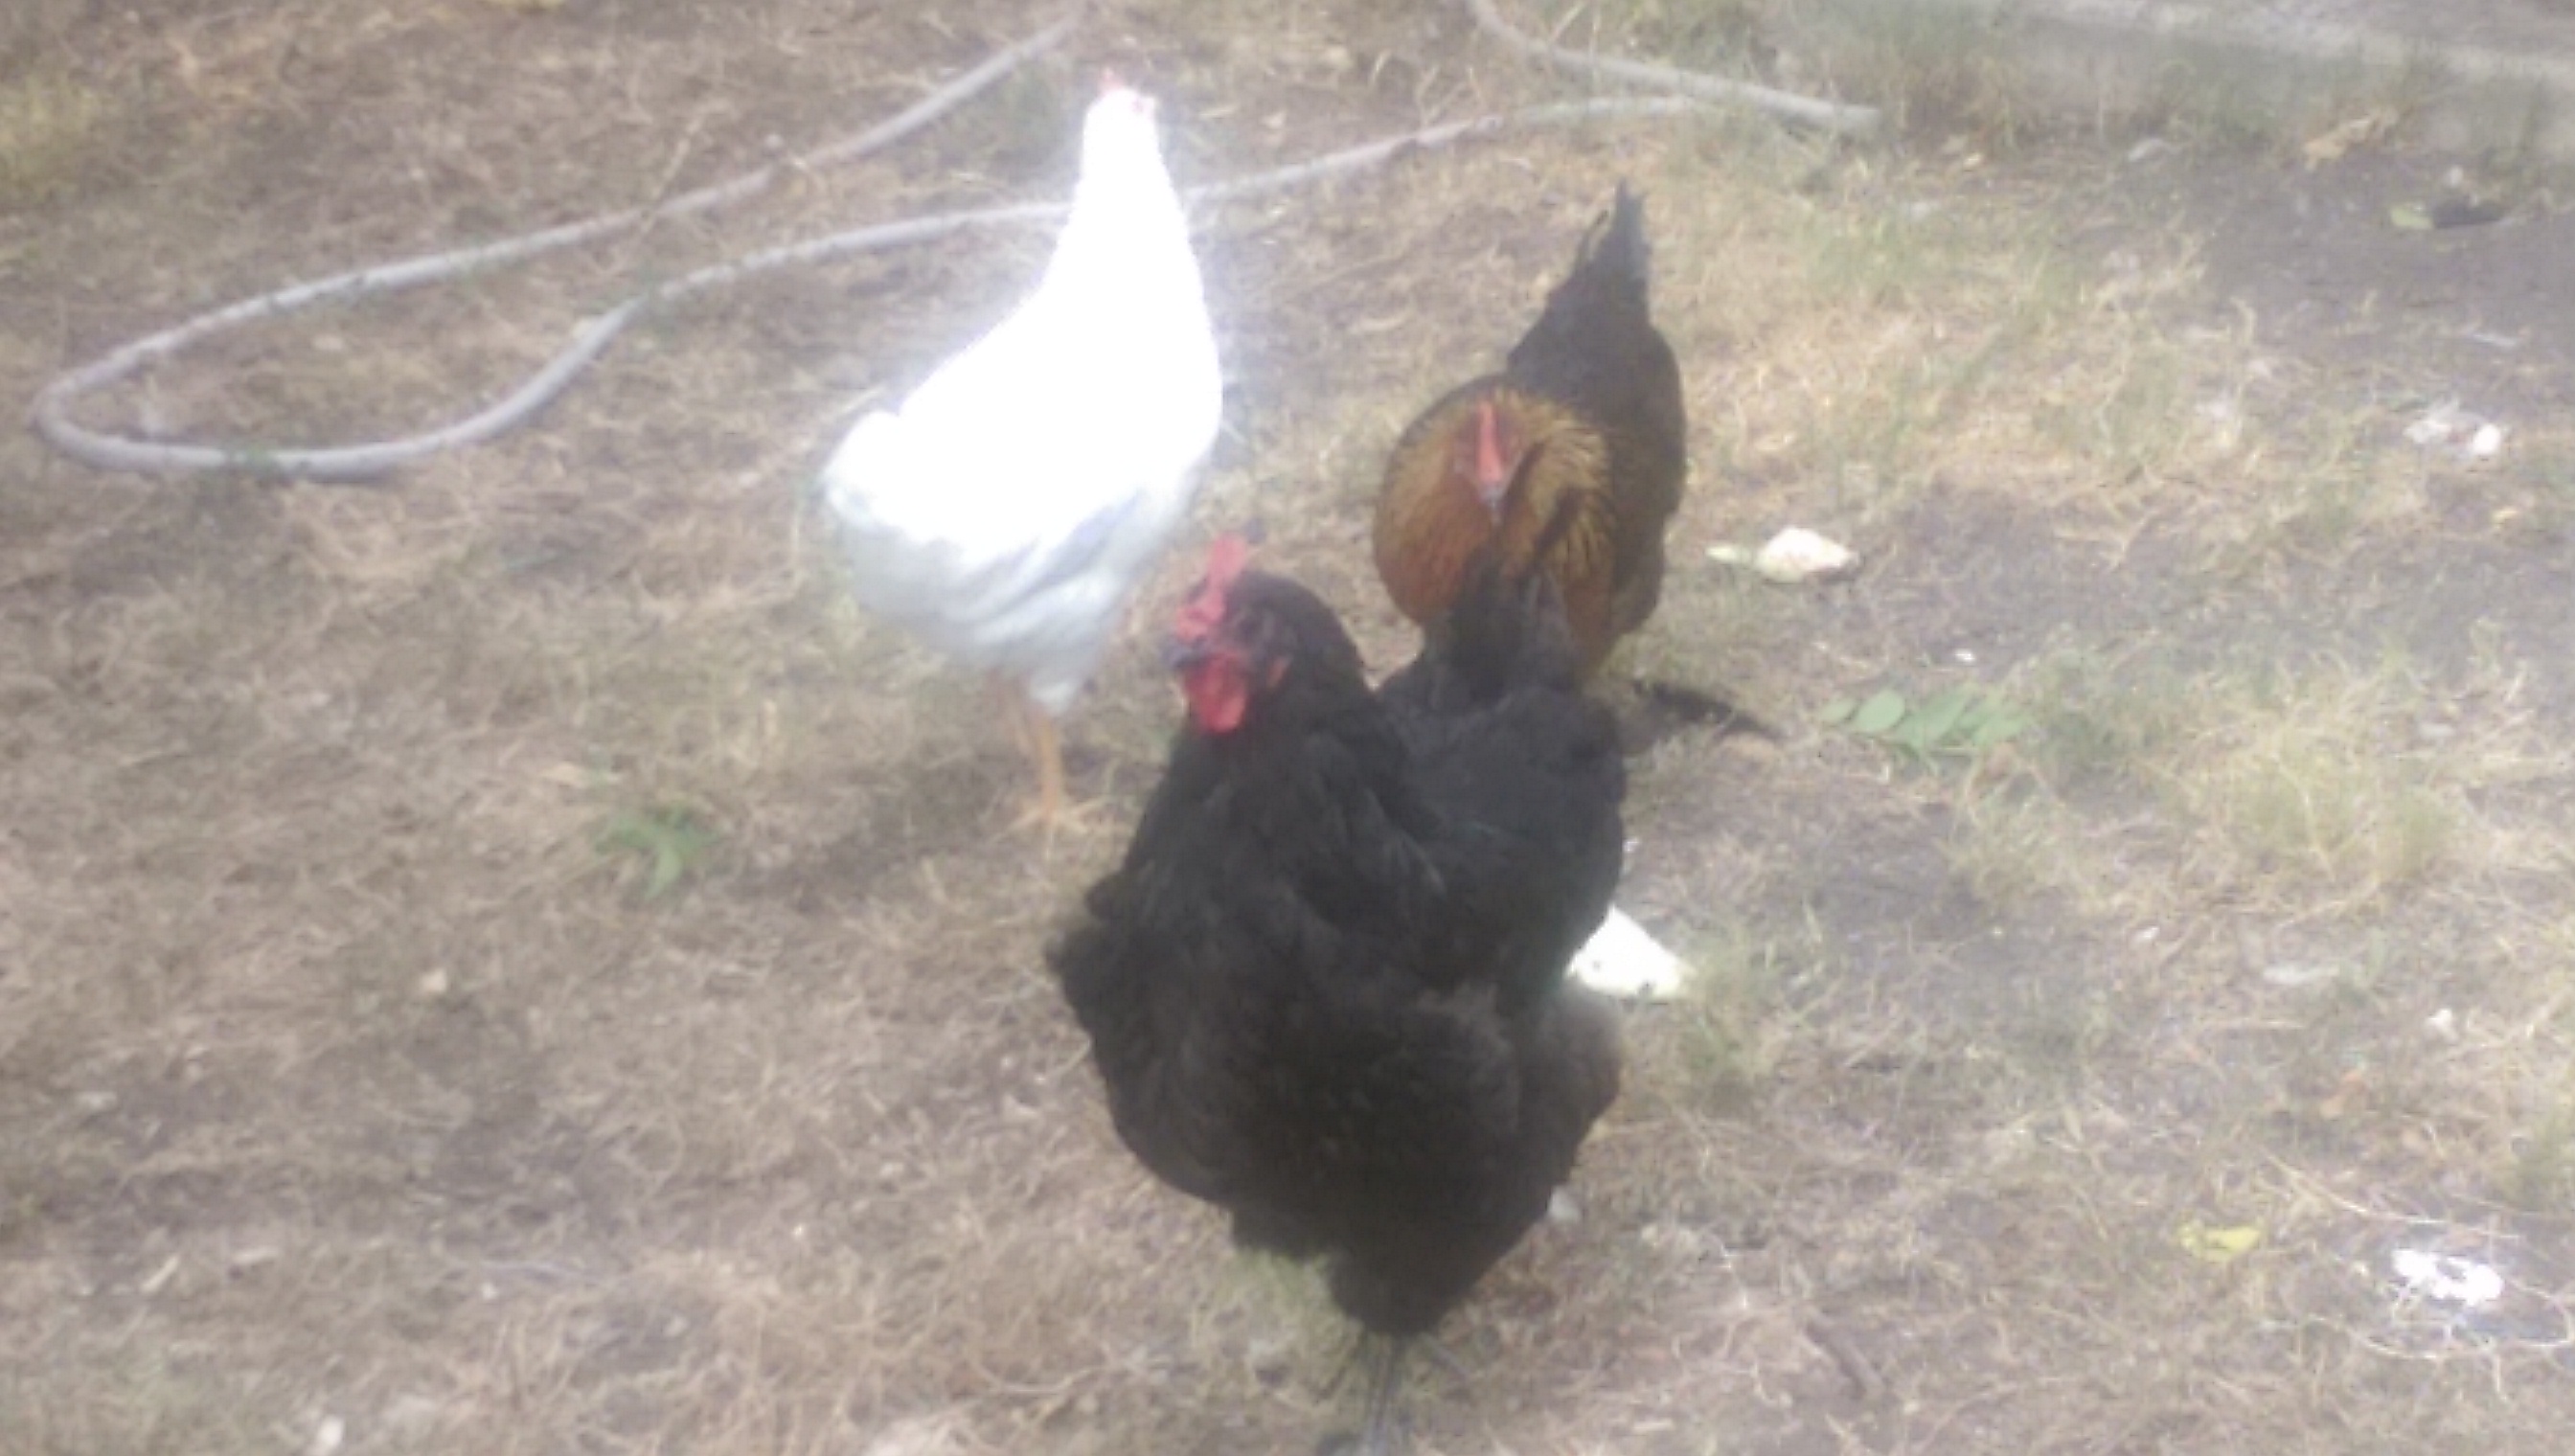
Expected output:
(1618, 244)
(1598, 320)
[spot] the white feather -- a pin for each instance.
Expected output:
(1623, 960)
(1006, 510)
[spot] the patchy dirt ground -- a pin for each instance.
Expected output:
(2071, 1095)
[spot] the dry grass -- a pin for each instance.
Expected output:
(359, 1071)
(2323, 790)
(47, 121)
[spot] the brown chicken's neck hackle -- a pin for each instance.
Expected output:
(1438, 509)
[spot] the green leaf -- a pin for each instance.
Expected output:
(1998, 726)
(1909, 743)
(1883, 710)
(1837, 712)
(2411, 216)
(1933, 721)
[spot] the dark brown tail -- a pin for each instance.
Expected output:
(1596, 318)
(1616, 246)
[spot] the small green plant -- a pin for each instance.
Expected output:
(672, 840)
(2300, 794)
(1958, 722)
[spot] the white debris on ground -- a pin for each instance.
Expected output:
(1794, 554)
(2446, 1279)
(1620, 959)
(2456, 432)
(2296, 974)
(2443, 1303)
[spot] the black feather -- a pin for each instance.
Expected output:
(1325, 988)
(1624, 249)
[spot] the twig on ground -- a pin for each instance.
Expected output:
(1807, 110)
(1385, 149)
(1866, 1384)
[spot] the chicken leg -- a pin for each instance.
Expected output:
(1047, 747)
(1033, 729)
(1381, 1431)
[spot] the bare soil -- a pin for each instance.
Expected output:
(360, 1095)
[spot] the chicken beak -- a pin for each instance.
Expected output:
(1180, 655)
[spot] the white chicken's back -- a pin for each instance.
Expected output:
(1006, 510)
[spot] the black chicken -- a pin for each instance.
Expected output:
(1325, 989)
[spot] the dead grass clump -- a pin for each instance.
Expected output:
(2351, 478)
(1928, 326)
(2313, 776)
(49, 124)
(1882, 337)
(2330, 787)
(2539, 1176)
(2330, 792)
(1718, 1034)
(1932, 68)
(2014, 851)
(2529, 1077)
(2098, 713)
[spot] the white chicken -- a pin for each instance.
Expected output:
(1006, 510)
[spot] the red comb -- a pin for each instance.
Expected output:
(1228, 555)
(1204, 609)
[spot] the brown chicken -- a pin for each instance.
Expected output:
(1570, 458)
